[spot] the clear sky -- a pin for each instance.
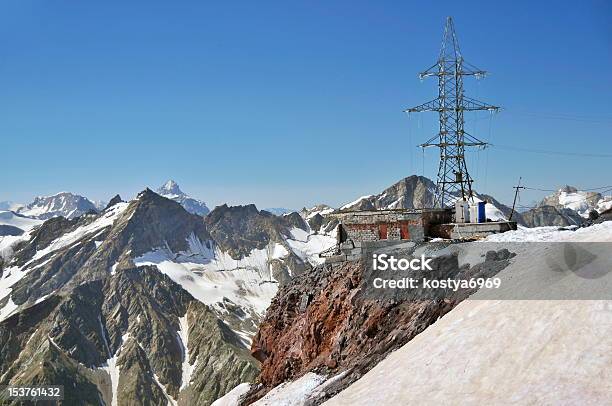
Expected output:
(291, 103)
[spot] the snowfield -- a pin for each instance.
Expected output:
(499, 352)
(26, 224)
(504, 351)
(210, 274)
(601, 232)
(292, 393)
(94, 228)
(10, 218)
(246, 282)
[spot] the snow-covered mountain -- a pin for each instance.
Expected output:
(172, 191)
(64, 204)
(320, 209)
(113, 292)
(582, 202)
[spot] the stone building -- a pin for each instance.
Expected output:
(366, 227)
(376, 225)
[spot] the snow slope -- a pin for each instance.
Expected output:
(211, 276)
(499, 352)
(232, 397)
(494, 351)
(601, 232)
(10, 218)
(292, 393)
(504, 351)
(94, 228)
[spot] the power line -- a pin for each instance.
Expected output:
(561, 116)
(581, 189)
(550, 152)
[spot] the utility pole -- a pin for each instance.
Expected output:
(453, 180)
(516, 191)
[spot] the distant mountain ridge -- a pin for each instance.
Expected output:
(582, 202)
(63, 204)
(408, 193)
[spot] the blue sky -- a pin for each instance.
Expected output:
(291, 103)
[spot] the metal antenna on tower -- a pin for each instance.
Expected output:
(453, 177)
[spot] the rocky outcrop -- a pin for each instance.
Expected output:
(411, 192)
(323, 322)
(116, 199)
(240, 229)
(551, 216)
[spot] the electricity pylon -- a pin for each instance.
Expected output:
(453, 177)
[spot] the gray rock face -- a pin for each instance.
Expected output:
(241, 229)
(551, 216)
(133, 317)
(171, 190)
(116, 199)
(411, 192)
(63, 204)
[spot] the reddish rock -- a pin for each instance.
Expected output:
(337, 330)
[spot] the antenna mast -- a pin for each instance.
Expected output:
(453, 177)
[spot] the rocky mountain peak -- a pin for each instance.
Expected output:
(240, 229)
(408, 193)
(170, 188)
(116, 199)
(146, 194)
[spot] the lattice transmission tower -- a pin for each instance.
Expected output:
(453, 177)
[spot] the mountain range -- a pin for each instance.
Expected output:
(149, 299)
(145, 298)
